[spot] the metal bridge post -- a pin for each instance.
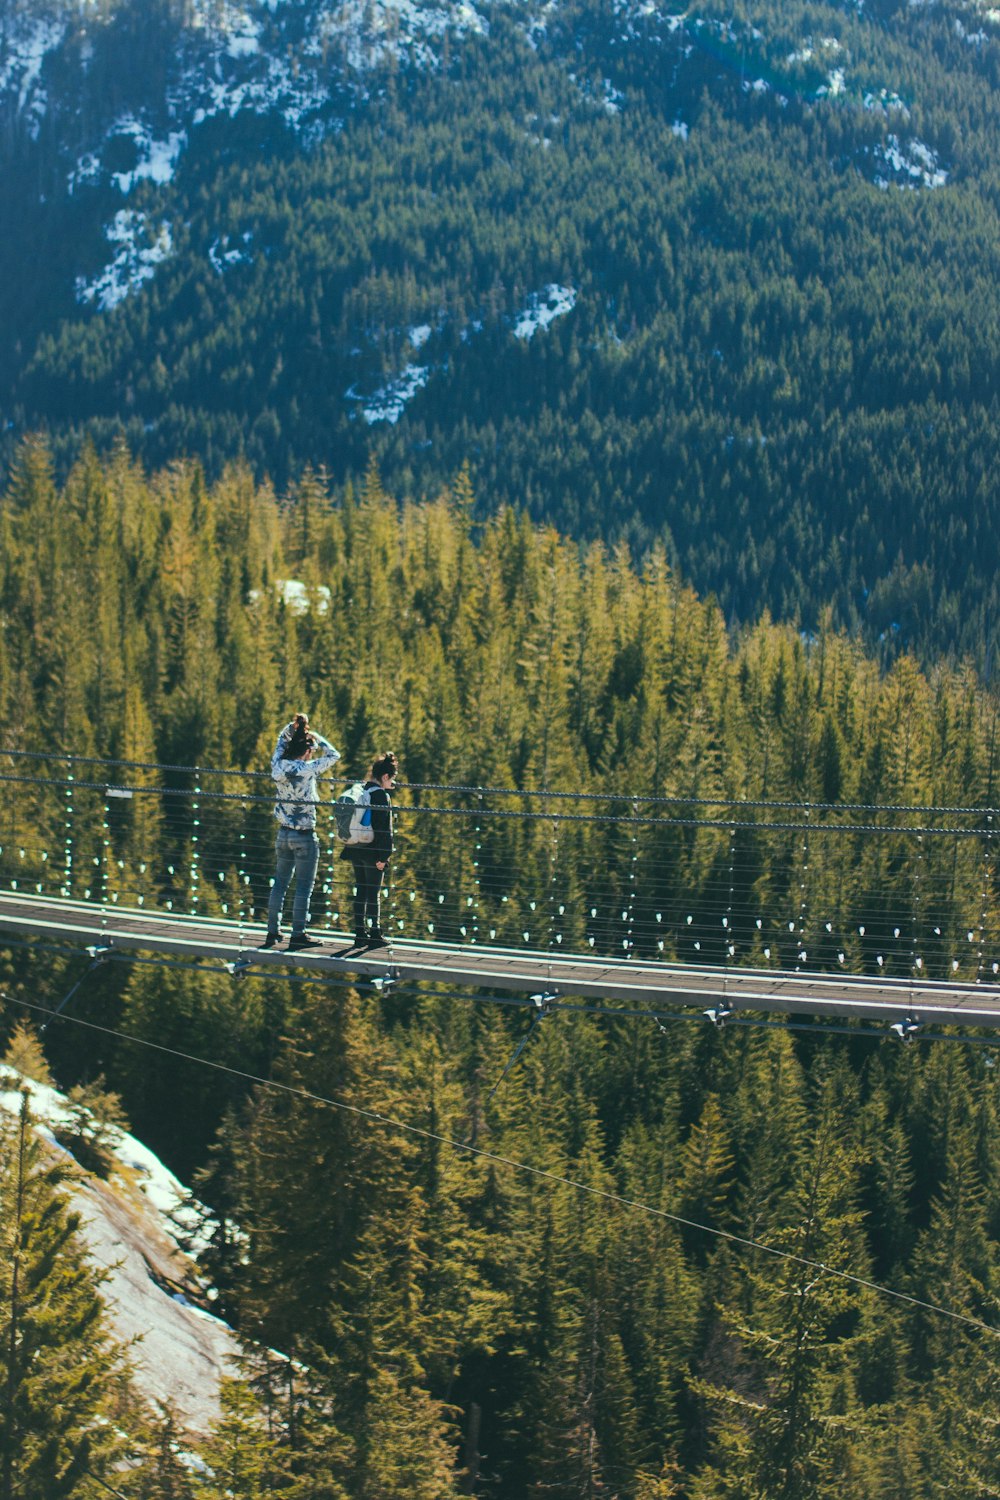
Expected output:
(553, 892)
(987, 861)
(801, 953)
(105, 849)
(916, 961)
(727, 921)
(241, 872)
(628, 943)
(193, 879)
(329, 889)
(67, 887)
(477, 849)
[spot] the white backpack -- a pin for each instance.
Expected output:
(352, 814)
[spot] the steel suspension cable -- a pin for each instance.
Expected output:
(519, 814)
(547, 795)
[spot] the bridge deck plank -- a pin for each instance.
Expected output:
(627, 982)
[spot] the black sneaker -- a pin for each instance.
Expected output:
(375, 938)
(271, 939)
(361, 938)
(298, 941)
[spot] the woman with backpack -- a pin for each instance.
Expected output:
(371, 859)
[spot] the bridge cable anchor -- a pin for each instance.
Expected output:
(98, 954)
(238, 967)
(542, 1005)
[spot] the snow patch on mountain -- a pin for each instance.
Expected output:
(87, 169)
(636, 16)
(233, 58)
(26, 47)
(181, 1218)
(298, 597)
(389, 403)
(229, 22)
(227, 251)
(542, 307)
(281, 87)
(885, 103)
(140, 251)
(835, 84)
(244, 39)
(985, 14)
(156, 160)
(606, 96)
(914, 165)
(28, 42)
(974, 38)
(811, 50)
(368, 33)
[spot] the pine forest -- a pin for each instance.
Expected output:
(658, 1261)
(721, 280)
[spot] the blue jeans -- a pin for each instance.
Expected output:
(298, 852)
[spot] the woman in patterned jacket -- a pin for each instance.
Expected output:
(300, 757)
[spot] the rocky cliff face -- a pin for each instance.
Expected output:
(132, 1221)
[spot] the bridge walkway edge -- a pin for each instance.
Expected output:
(634, 982)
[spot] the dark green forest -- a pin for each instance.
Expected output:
(779, 224)
(556, 1313)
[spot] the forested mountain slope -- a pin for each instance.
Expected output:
(456, 1324)
(724, 277)
(492, 657)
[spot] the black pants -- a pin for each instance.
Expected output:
(368, 886)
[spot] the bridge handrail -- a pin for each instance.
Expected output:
(632, 819)
(983, 810)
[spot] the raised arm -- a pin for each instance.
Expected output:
(280, 747)
(328, 755)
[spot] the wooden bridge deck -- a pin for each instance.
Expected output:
(632, 982)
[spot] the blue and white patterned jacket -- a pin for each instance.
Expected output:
(296, 781)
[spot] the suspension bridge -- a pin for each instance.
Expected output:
(887, 914)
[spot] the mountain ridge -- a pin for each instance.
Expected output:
(718, 280)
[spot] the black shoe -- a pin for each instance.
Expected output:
(298, 941)
(361, 938)
(375, 938)
(271, 939)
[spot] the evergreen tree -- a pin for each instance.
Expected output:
(245, 1455)
(58, 1364)
(155, 1471)
(778, 1435)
